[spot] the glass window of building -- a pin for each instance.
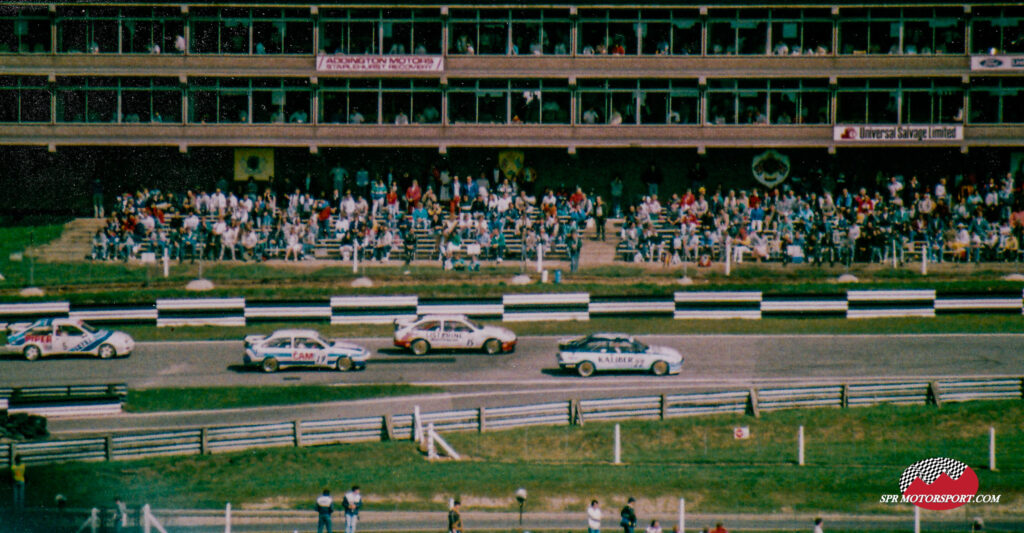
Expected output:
(279, 101)
(645, 32)
(509, 102)
(24, 29)
(737, 101)
(996, 100)
(738, 31)
(219, 100)
(243, 30)
(997, 30)
(87, 99)
(150, 100)
(24, 99)
(800, 32)
(380, 31)
(92, 30)
(931, 101)
(901, 30)
(415, 101)
(610, 102)
(350, 101)
(151, 30)
(509, 31)
(668, 101)
(772, 101)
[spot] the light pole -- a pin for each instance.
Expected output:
(521, 498)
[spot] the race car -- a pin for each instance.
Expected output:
(48, 336)
(618, 352)
(302, 347)
(446, 332)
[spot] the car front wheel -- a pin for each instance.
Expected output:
(420, 347)
(585, 369)
(344, 364)
(106, 351)
(492, 346)
(32, 353)
(659, 368)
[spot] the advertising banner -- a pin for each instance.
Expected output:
(898, 133)
(1015, 62)
(413, 63)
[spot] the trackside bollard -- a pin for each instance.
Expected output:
(682, 515)
(618, 445)
(800, 444)
(227, 518)
(992, 448)
(924, 259)
(917, 519)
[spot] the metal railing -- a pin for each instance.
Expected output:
(570, 412)
(64, 400)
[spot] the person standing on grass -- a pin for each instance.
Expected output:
(352, 503)
(628, 516)
(324, 509)
(18, 482)
(454, 518)
(594, 517)
(719, 528)
(120, 515)
(817, 525)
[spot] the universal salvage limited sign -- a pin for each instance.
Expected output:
(414, 63)
(898, 133)
(994, 62)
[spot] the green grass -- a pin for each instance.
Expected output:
(197, 398)
(853, 457)
(644, 326)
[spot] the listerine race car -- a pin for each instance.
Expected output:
(48, 336)
(616, 351)
(302, 347)
(446, 332)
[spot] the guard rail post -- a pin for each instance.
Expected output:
(575, 413)
(662, 407)
(389, 428)
(204, 442)
(752, 407)
(297, 432)
(844, 396)
(12, 448)
(934, 394)
(108, 447)
(481, 419)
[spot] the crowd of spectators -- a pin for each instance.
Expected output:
(962, 221)
(471, 219)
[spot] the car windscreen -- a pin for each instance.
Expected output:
(87, 327)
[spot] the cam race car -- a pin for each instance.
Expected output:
(617, 352)
(302, 348)
(449, 332)
(49, 336)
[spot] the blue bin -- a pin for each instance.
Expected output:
(558, 276)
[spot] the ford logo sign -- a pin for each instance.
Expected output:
(991, 63)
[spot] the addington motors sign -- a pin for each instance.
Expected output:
(398, 63)
(898, 133)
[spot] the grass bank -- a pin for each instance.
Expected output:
(196, 398)
(853, 457)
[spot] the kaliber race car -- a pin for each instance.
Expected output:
(617, 352)
(302, 347)
(48, 336)
(447, 332)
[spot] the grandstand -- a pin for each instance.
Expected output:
(112, 97)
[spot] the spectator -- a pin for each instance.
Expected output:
(18, 482)
(324, 510)
(628, 516)
(454, 518)
(654, 527)
(594, 517)
(818, 522)
(352, 503)
(120, 515)
(719, 528)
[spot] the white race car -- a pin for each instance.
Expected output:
(618, 352)
(302, 347)
(447, 332)
(48, 336)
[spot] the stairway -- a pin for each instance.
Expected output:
(74, 243)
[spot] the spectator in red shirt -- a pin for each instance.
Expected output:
(413, 193)
(577, 198)
(719, 529)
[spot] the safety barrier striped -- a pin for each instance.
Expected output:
(530, 307)
(192, 441)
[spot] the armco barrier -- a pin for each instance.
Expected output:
(532, 307)
(562, 413)
(61, 401)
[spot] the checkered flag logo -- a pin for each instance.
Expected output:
(929, 470)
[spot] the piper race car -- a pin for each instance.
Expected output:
(302, 347)
(616, 351)
(48, 336)
(446, 332)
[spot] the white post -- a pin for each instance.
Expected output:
(227, 518)
(94, 520)
(924, 259)
(431, 450)
(728, 242)
(417, 424)
(618, 445)
(355, 255)
(682, 515)
(800, 441)
(992, 448)
(540, 256)
(167, 264)
(894, 253)
(146, 527)
(917, 519)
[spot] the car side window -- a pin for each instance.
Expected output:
(307, 344)
(430, 326)
(597, 346)
(622, 346)
(283, 342)
(457, 327)
(69, 330)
